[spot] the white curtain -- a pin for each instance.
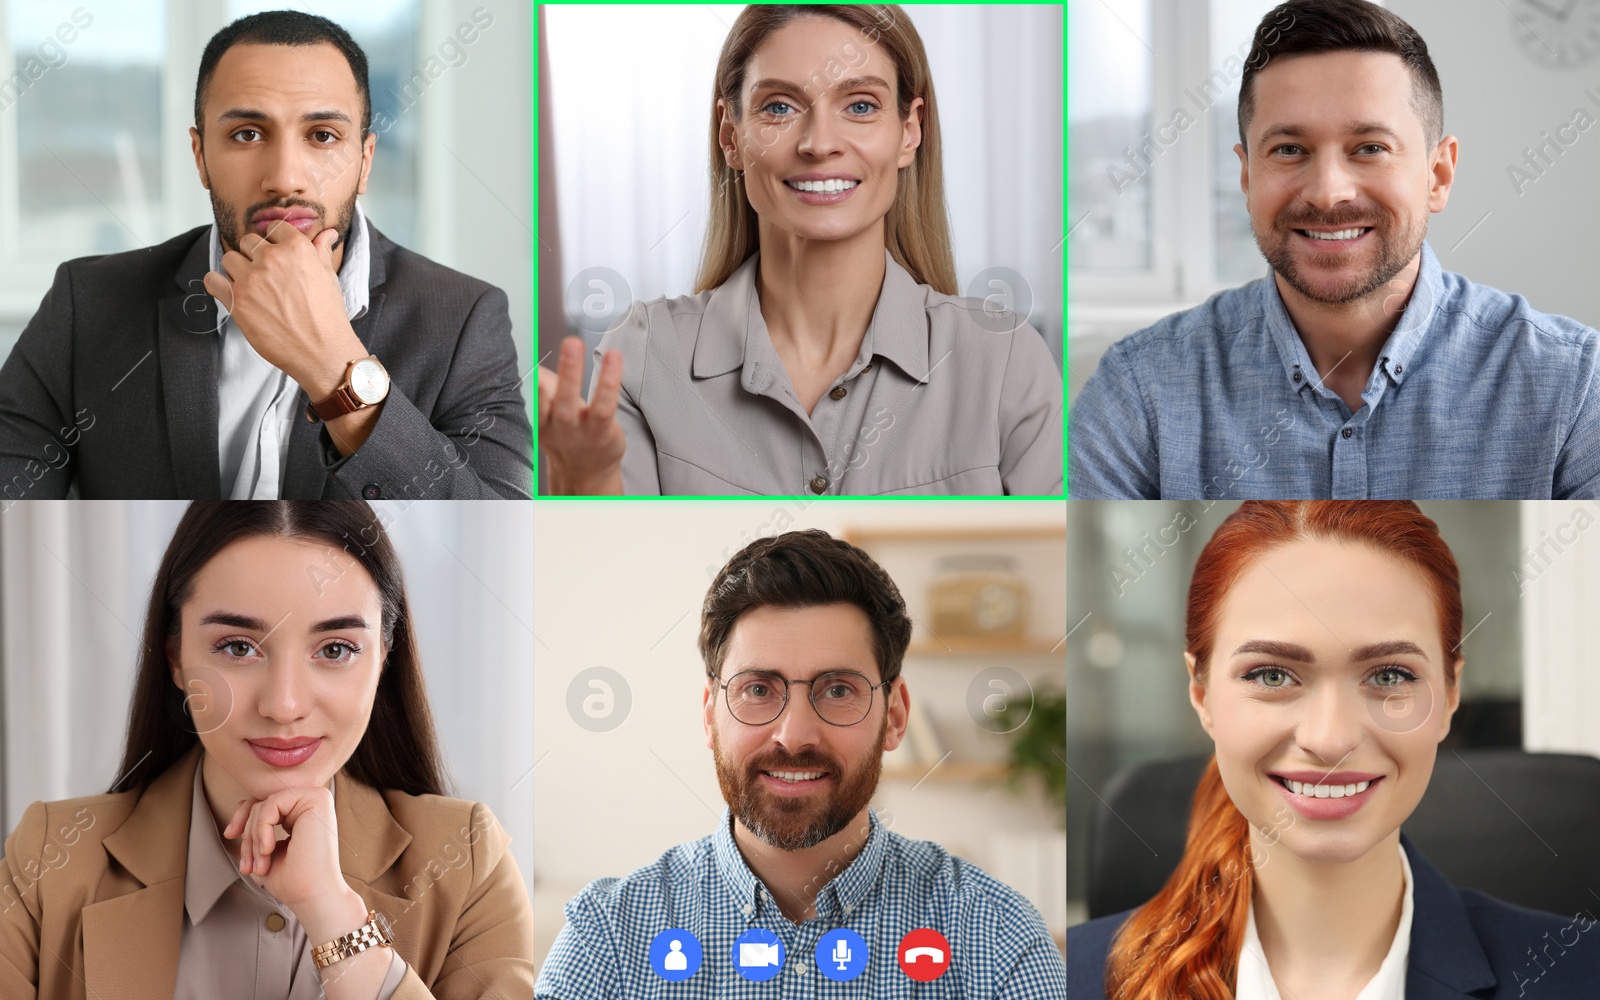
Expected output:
(74, 580)
(74, 576)
(632, 98)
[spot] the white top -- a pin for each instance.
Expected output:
(1254, 980)
(256, 403)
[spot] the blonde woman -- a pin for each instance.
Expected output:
(824, 350)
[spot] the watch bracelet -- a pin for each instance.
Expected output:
(369, 935)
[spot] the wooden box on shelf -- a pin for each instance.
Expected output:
(941, 743)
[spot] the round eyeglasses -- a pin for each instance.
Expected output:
(840, 697)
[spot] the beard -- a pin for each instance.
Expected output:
(794, 824)
(232, 224)
(1394, 250)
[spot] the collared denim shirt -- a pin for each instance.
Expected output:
(1475, 395)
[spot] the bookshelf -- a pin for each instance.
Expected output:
(947, 741)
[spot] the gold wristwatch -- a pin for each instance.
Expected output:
(366, 383)
(371, 934)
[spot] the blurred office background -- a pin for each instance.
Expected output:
(625, 110)
(1529, 573)
(75, 577)
(622, 770)
(96, 102)
(1154, 232)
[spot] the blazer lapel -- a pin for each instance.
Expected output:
(188, 342)
(370, 842)
(130, 941)
(303, 475)
(1447, 961)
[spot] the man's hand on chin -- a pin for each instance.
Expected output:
(283, 292)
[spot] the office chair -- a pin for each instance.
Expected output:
(1519, 826)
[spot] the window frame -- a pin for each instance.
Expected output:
(184, 203)
(1180, 179)
(1183, 181)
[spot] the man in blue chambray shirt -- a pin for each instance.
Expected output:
(803, 637)
(1357, 368)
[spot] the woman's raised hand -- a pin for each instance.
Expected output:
(583, 442)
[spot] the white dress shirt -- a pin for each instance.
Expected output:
(238, 941)
(256, 403)
(1254, 980)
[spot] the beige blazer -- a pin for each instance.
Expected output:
(92, 906)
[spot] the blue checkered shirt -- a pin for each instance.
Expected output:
(1475, 395)
(998, 942)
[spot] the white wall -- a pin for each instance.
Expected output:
(478, 142)
(1497, 101)
(1559, 575)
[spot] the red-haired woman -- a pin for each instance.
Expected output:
(1322, 643)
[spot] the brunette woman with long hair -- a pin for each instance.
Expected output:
(826, 350)
(1323, 641)
(279, 826)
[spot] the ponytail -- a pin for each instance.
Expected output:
(1186, 941)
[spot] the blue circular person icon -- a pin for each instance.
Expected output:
(758, 955)
(675, 955)
(842, 955)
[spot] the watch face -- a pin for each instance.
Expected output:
(368, 381)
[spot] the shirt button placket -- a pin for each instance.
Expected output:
(835, 419)
(814, 469)
(1350, 464)
(798, 983)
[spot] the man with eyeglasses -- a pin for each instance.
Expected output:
(803, 637)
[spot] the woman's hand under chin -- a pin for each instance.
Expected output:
(302, 872)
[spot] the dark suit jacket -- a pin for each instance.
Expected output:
(114, 383)
(1465, 945)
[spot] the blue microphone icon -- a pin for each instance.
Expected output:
(842, 955)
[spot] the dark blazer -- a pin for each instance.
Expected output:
(1465, 945)
(113, 383)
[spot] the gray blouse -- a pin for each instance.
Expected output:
(940, 399)
(237, 940)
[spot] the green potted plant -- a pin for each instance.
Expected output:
(1039, 745)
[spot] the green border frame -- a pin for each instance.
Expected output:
(804, 498)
